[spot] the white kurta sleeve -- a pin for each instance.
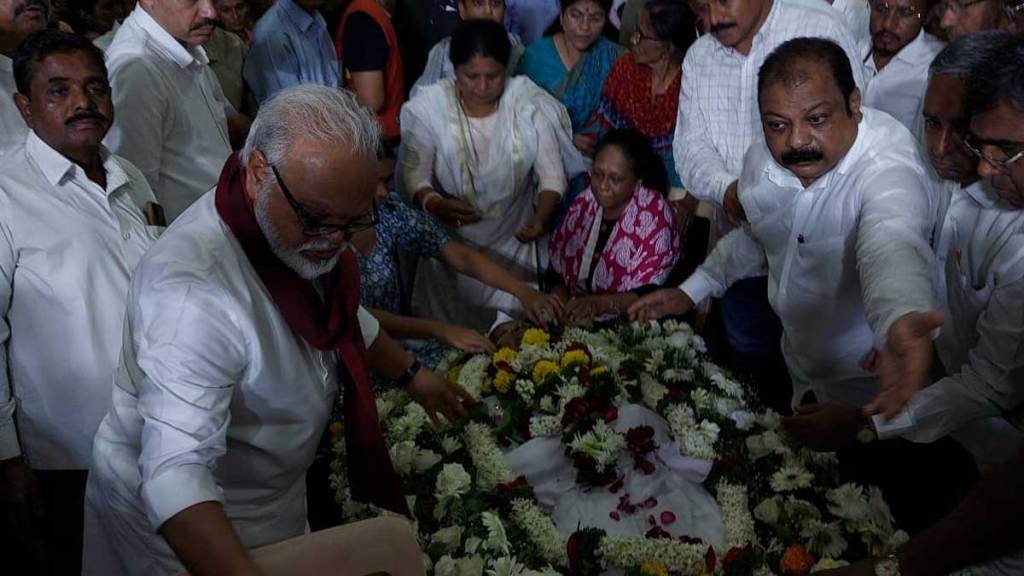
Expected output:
(368, 325)
(735, 257)
(548, 166)
(137, 134)
(9, 446)
(893, 253)
(992, 380)
(418, 154)
(701, 168)
(192, 353)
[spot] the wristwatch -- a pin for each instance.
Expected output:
(406, 378)
(867, 433)
(888, 566)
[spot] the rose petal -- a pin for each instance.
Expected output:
(667, 517)
(651, 502)
(651, 520)
(614, 515)
(616, 486)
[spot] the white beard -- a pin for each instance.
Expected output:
(292, 258)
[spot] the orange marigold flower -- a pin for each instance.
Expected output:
(796, 560)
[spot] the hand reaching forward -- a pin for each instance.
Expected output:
(465, 339)
(542, 309)
(905, 361)
(664, 302)
(436, 394)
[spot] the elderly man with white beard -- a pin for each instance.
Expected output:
(242, 326)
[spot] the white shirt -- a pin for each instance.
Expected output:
(982, 341)
(845, 257)
(170, 119)
(899, 87)
(718, 115)
(216, 399)
(857, 15)
(12, 127)
(67, 249)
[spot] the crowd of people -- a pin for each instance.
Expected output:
(225, 222)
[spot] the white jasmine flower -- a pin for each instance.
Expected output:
(545, 426)
(525, 389)
(547, 404)
(790, 478)
(472, 375)
(491, 468)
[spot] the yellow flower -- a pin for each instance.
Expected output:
(542, 369)
(598, 370)
(652, 569)
(487, 385)
(506, 355)
(503, 381)
(535, 337)
(575, 357)
(337, 430)
(453, 373)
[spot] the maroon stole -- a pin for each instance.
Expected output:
(327, 324)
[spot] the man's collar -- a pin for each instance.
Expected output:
(759, 36)
(181, 55)
(982, 193)
(915, 53)
(298, 15)
(57, 168)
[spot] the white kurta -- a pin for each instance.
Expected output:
(499, 165)
(899, 87)
(982, 342)
(845, 257)
(67, 250)
(171, 117)
(12, 127)
(216, 399)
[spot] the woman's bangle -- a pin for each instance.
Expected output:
(426, 199)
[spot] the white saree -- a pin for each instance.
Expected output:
(498, 165)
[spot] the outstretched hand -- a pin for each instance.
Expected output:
(436, 394)
(664, 302)
(542, 309)
(905, 361)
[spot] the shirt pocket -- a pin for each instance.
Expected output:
(819, 269)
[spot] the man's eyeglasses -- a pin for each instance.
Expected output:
(972, 143)
(312, 226)
(883, 8)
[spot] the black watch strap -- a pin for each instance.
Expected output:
(406, 378)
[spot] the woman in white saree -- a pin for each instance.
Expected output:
(489, 156)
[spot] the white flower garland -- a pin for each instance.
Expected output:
(674, 555)
(736, 518)
(486, 456)
(541, 531)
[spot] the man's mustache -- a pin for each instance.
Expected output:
(721, 26)
(30, 4)
(87, 115)
(203, 23)
(802, 155)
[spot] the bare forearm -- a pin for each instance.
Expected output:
(985, 526)
(547, 202)
(402, 327)
(387, 358)
(617, 303)
(203, 539)
(474, 263)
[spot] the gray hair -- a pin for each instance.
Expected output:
(965, 55)
(332, 116)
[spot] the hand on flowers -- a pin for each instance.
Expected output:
(436, 394)
(823, 427)
(582, 310)
(542, 309)
(731, 204)
(664, 302)
(905, 361)
(530, 231)
(454, 212)
(465, 339)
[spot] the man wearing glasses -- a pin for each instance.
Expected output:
(897, 65)
(243, 328)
